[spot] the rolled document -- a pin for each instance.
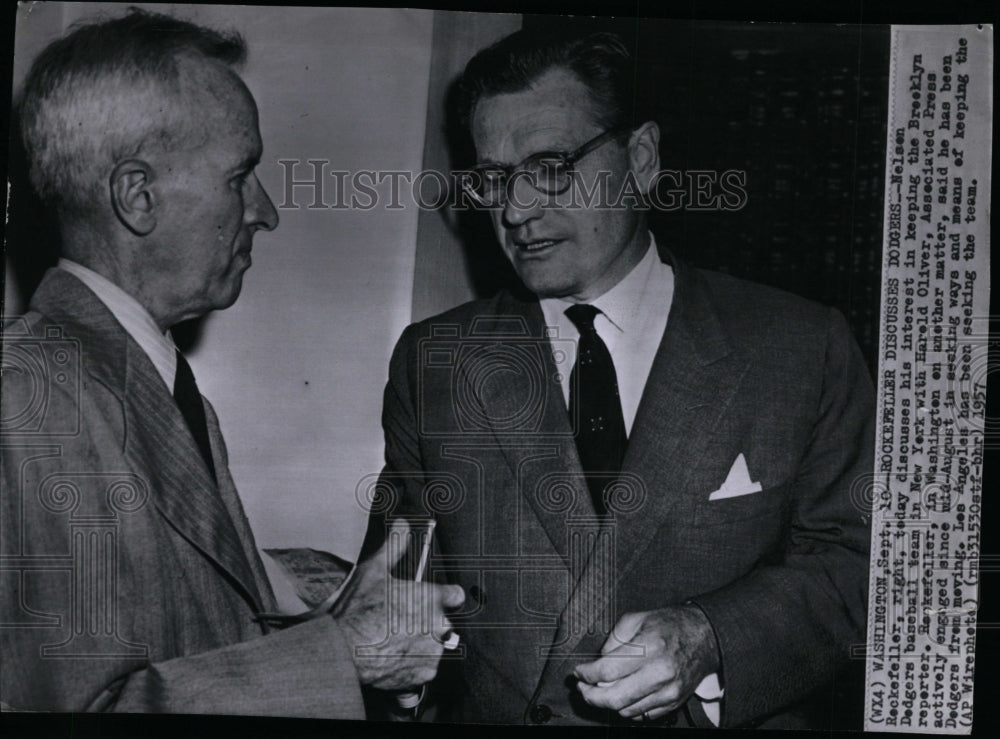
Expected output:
(409, 701)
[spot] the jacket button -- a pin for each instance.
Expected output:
(540, 714)
(478, 595)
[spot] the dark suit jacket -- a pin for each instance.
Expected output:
(478, 436)
(130, 579)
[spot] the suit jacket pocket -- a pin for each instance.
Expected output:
(767, 502)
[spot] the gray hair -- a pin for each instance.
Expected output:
(107, 91)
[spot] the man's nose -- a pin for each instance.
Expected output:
(259, 210)
(524, 202)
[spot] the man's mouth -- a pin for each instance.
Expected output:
(535, 245)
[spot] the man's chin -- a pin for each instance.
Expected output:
(234, 297)
(236, 287)
(545, 283)
(545, 287)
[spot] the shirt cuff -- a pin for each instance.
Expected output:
(710, 693)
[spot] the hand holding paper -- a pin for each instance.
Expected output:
(396, 627)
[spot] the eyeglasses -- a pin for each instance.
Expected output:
(549, 172)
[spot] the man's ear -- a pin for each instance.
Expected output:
(132, 197)
(644, 153)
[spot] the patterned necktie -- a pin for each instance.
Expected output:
(595, 404)
(189, 401)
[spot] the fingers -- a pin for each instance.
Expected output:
(451, 596)
(432, 598)
(653, 714)
(420, 608)
(653, 687)
(621, 693)
(634, 675)
(441, 630)
(623, 633)
(620, 656)
(608, 669)
(401, 661)
(654, 706)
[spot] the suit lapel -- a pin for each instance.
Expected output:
(157, 441)
(555, 460)
(231, 499)
(693, 379)
(188, 497)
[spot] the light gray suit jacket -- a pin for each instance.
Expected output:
(130, 579)
(478, 436)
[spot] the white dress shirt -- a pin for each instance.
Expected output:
(631, 323)
(135, 319)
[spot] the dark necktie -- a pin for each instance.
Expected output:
(596, 406)
(189, 401)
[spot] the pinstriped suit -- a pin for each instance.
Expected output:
(130, 580)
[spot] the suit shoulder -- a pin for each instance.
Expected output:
(463, 314)
(753, 309)
(29, 344)
(18, 328)
(455, 322)
(43, 380)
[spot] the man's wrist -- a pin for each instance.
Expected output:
(708, 644)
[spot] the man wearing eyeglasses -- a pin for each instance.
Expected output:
(650, 465)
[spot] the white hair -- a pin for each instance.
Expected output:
(109, 91)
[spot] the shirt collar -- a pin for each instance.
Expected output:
(133, 317)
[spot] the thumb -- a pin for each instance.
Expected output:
(393, 548)
(452, 596)
(626, 628)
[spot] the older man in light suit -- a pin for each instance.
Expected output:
(641, 472)
(131, 581)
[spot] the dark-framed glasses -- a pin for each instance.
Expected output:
(549, 172)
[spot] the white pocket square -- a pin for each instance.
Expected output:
(737, 482)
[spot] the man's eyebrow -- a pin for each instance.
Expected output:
(500, 165)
